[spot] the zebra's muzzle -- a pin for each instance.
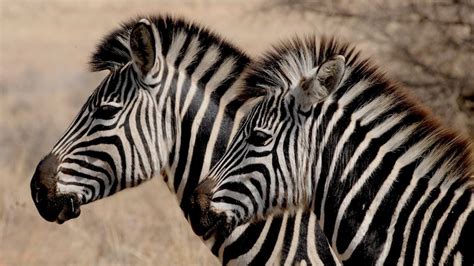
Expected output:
(52, 206)
(204, 221)
(59, 208)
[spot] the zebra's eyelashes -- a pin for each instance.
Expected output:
(106, 111)
(259, 138)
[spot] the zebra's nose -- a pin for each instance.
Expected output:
(43, 186)
(43, 181)
(199, 212)
(204, 221)
(52, 207)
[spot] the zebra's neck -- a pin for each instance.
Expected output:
(198, 100)
(372, 146)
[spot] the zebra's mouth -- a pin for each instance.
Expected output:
(70, 210)
(211, 225)
(55, 208)
(210, 231)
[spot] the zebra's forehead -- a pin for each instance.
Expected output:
(116, 87)
(268, 111)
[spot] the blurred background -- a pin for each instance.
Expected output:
(45, 45)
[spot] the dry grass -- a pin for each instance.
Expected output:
(43, 82)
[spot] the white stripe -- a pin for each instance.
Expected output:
(347, 98)
(391, 144)
(453, 240)
(433, 183)
(427, 217)
(378, 131)
(313, 140)
(177, 43)
(234, 236)
(295, 240)
(247, 257)
(421, 170)
(408, 157)
(209, 59)
(311, 242)
(224, 71)
(457, 194)
(275, 258)
(146, 135)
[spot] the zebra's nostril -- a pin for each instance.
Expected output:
(37, 200)
(39, 193)
(43, 187)
(36, 192)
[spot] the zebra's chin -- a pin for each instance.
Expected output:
(58, 208)
(210, 225)
(71, 209)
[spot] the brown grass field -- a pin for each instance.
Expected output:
(44, 79)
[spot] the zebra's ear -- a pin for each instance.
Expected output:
(318, 86)
(143, 49)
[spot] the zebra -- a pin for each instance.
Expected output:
(168, 107)
(333, 135)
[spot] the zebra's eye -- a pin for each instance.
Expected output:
(106, 111)
(259, 138)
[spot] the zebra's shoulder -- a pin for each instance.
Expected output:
(113, 51)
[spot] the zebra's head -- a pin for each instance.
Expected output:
(118, 119)
(262, 169)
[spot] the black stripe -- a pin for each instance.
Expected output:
(89, 166)
(241, 245)
(319, 138)
(302, 250)
(415, 226)
(323, 247)
(270, 241)
(447, 229)
(290, 224)
(81, 175)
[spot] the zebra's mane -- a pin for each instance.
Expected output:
(283, 67)
(285, 64)
(113, 51)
